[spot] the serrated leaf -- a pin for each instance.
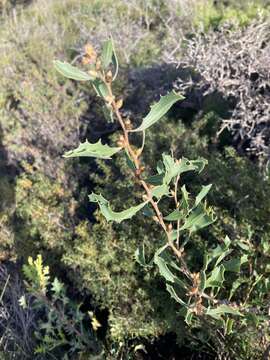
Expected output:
(217, 312)
(72, 72)
(57, 286)
(163, 268)
(159, 191)
(197, 219)
(216, 277)
(97, 150)
(202, 194)
(159, 110)
(174, 216)
(111, 215)
(173, 294)
(174, 168)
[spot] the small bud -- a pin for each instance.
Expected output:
(98, 65)
(145, 197)
(119, 103)
(170, 227)
(86, 60)
(93, 73)
(109, 76)
(90, 52)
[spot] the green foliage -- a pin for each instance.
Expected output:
(203, 295)
(158, 110)
(64, 330)
(97, 150)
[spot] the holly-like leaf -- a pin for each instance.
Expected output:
(217, 312)
(140, 256)
(97, 150)
(159, 110)
(72, 72)
(197, 220)
(164, 269)
(216, 278)
(174, 168)
(111, 215)
(159, 191)
(202, 194)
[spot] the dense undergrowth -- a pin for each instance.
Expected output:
(44, 207)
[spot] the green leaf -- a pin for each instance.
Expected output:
(71, 72)
(188, 317)
(97, 150)
(159, 109)
(111, 215)
(216, 278)
(130, 163)
(140, 256)
(197, 220)
(57, 286)
(217, 312)
(185, 195)
(174, 216)
(107, 53)
(148, 211)
(101, 88)
(202, 194)
(173, 294)
(202, 280)
(159, 191)
(229, 326)
(163, 268)
(174, 168)
(155, 179)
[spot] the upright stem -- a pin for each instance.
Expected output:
(135, 157)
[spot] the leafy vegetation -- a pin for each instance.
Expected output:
(44, 205)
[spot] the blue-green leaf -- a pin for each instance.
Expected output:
(72, 72)
(159, 110)
(111, 215)
(97, 150)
